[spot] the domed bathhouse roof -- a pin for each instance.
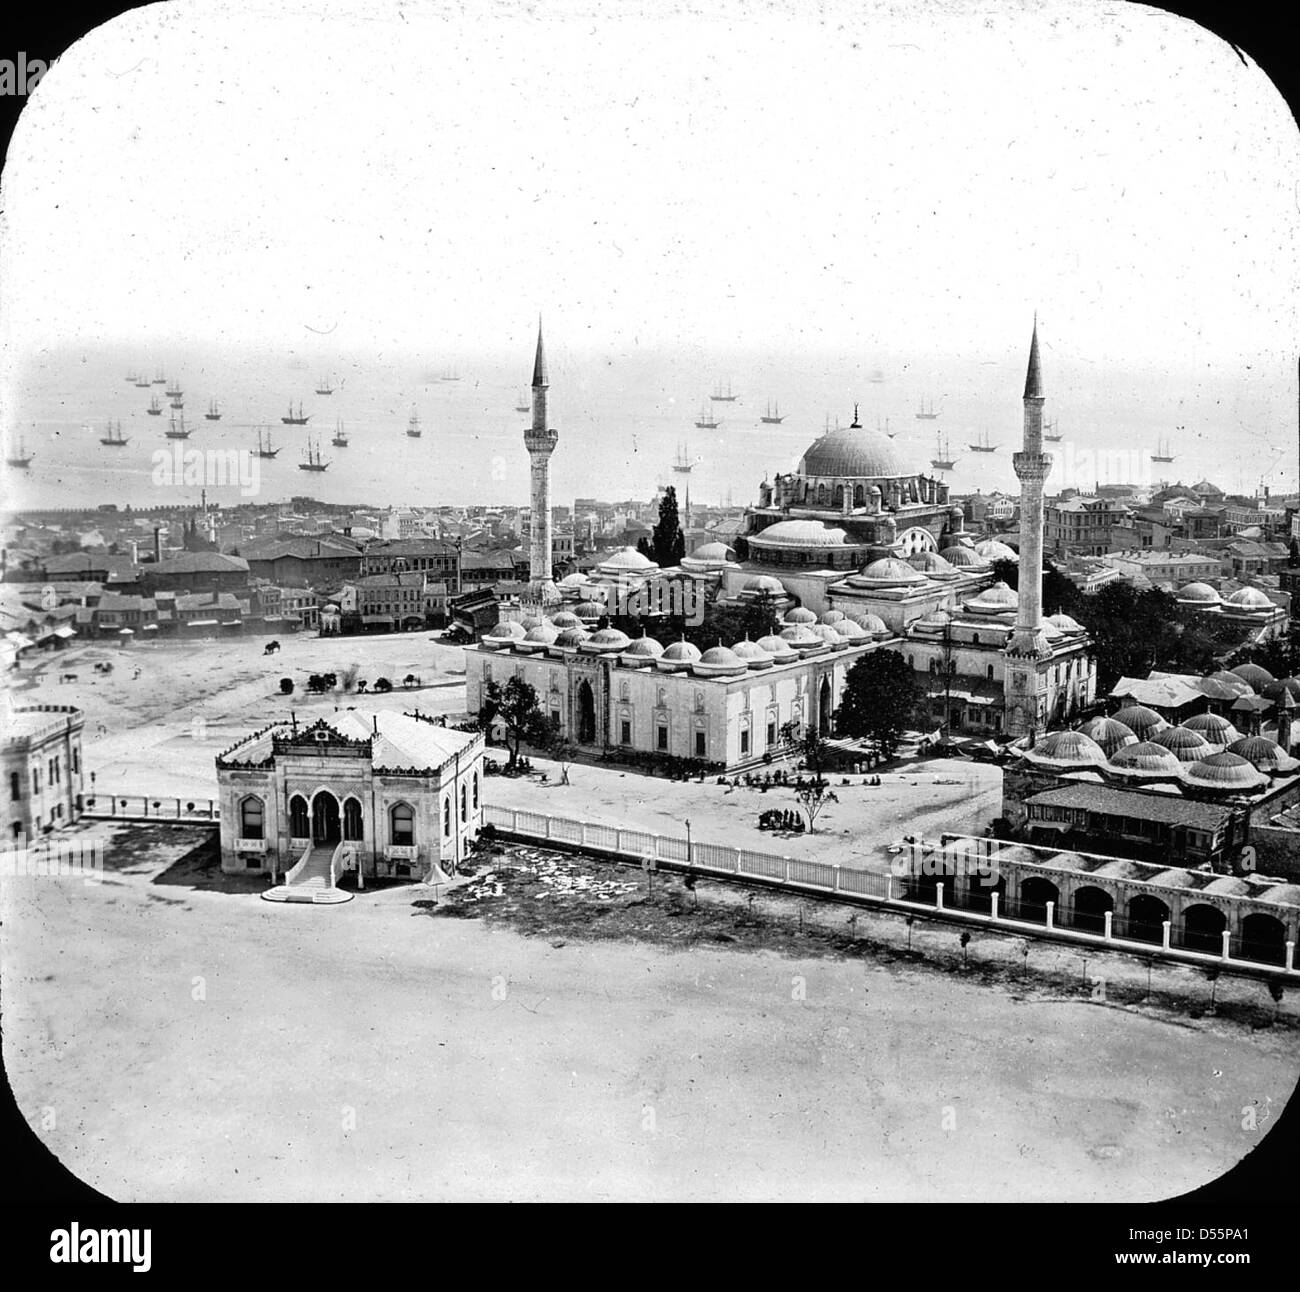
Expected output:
(1108, 734)
(799, 534)
(855, 453)
(1216, 731)
(1143, 722)
(1274, 689)
(1224, 771)
(506, 633)
(1065, 749)
(870, 622)
(711, 554)
(1255, 674)
(828, 617)
(852, 632)
(1198, 594)
(627, 561)
(565, 619)
(800, 615)
(677, 656)
(608, 641)
(765, 583)
(933, 566)
(575, 580)
(997, 599)
(718, 661)
(753, 654)
(828, 634)
(642, 650)
(1065, 623)
(993, 549)
(1225, 684)
(1248, 599)
(588, 610)
(801, 638)
(529, 622)
(780, 650)
(1263, 754)
(1145, 759)
(1185, 745)
(538, 638)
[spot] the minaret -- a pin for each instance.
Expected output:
(1027, 648)
(540, 442)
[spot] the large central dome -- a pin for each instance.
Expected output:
(855, 453)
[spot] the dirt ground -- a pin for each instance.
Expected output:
(190, 1041)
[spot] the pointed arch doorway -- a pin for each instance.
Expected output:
(325, 826)
(586, 713)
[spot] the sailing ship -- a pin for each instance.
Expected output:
(924, 415)
(158, 378)
(313, 461)
(323, 387)
(155, 408)
(984, 446)
(177, 403)
(265, 450)
(1162, 453)
(450, 375)
(114, 436)
(291, 420)
(719, 398)
(877, 376)
(142, 382)
(133, 376)
(178, 432)
(21, 459)
(773, 415)
(707, 422)
(173, 390)
(340, 439)
(1050, 433)
(943, 459)
(214, 413)
(413, 425)
(523, 405)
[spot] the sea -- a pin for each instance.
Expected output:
(624, 421)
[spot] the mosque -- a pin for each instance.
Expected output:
(856, 551)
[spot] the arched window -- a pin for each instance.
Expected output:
(990, 671)
(401, 825)
(446, 815)
(352, 830)
(299, 827)
(464, 806)
(859, 496)
(821, 494)
(837, 499)
(475, 791)
(252, 818)
(976, 639)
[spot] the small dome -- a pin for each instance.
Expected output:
(606, 642)
(992, 549)
(1264, 754)
(1225, 771)
(1213, 728)
(828, 634)
(570, 638)
(998, 599)
(828, 617)
(765, 583)
(1274, 689)
(1198, 594)
(1187, 746)
(799, 533)
(800, 615)
(852, 633)
(643, 650)
(718, 660)
(1146, 758)
(753, 654)
(800, 637)
(1253, 674)
(1066, 747)
(1065, 623)
(932, 565)
(678, 655)
(888, 572)
(588, 610)
(712, 554)
(872, 623)
(537, 638)
(529, 622)
(963, 558)
(1143, 722)
(565, 619)
(1248, 599)
(1108, 734)
(936, 621)
(505, 633)
(575, 580)
(628, 559)
(779, 649)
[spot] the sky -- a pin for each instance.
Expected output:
(689, 178)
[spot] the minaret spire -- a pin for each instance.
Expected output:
(540, 380)
(540, 441)
(1034, 377)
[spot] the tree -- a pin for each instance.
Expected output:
(807, 743)
(880, 697)
(515, 706)
(382, 684)
(812, 796)
(668, 544)
(286, 686)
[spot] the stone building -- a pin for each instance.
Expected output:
(42, 767)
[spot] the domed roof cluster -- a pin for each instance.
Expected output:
(855, 453)
(799, 533)
(1244, 601)
(1204, 753)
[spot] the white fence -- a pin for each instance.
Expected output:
(883, 890)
